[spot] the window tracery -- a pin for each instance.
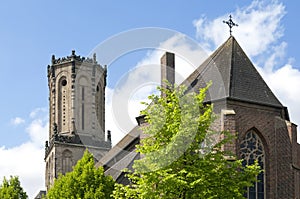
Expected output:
(251, 149)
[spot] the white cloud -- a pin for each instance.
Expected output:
(38, 112)
(17, 121)
(259, 27)
(123, 103)
(278, 54)
(38, 131)
(285, 82)
(27, 160)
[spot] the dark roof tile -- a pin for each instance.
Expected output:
(233, 76)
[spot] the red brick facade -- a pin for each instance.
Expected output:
(279, 138)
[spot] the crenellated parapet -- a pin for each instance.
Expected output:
(73, 57)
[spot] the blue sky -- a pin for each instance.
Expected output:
(31, 31)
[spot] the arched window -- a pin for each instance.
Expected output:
(99, 101)
(83, 102)
(251, 149)
(47, 173)
(62, 104)
(66, 161)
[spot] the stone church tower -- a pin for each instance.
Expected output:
(76, 113)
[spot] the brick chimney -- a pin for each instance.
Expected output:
(167, 62)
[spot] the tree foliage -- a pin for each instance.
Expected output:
(181, 157)
(85, 182)
(11, 189)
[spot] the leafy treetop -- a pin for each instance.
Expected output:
(85, 182)
(11, 189)
(182, 155)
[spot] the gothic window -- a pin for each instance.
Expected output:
(82, 107)
(83, 102)
(62, 103)
(66, 161)
(251, 149)
(48, 172)
(51, 168)
(99, 103)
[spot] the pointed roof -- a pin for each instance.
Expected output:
(233, 76)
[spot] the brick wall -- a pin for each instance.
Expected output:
(274, 134)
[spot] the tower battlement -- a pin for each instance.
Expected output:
(73, 57)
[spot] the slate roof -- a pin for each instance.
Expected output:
(121, 155)
(40, 195)
(126, 162)
(233, 76)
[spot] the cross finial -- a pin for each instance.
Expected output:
(230, 23)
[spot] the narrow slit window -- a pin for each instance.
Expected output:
(82, 116)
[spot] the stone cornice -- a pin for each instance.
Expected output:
(75, 141)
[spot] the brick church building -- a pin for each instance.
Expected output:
(242, 100)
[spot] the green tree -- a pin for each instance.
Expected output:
(85, 182)
(11, 189)
(180, 158)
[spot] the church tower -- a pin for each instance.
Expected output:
(76, 113)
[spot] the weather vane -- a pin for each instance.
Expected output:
(230, 23)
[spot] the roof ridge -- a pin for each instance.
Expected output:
(230, 91)
(205, 63)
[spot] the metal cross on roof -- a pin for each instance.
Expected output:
(230, 23)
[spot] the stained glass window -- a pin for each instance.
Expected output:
(251, 149)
